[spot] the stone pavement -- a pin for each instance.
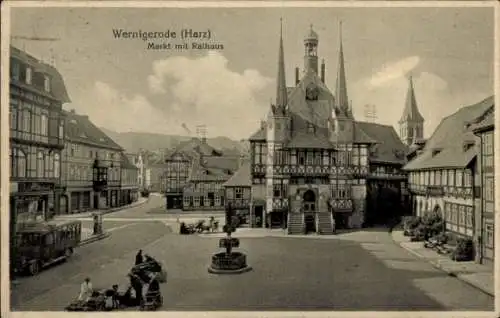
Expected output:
(477, 275)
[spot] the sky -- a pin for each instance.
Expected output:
(124, 86)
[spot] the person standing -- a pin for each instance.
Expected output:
(138, 258)
(85, 290)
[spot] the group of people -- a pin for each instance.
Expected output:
(140, 283)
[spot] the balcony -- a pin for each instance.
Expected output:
(340, 205)
(29, 138)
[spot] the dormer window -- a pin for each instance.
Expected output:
(468, 145)
(435, 152)
(28, 75)
(46, 83)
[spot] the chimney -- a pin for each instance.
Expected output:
(296, 76)
(323, 71)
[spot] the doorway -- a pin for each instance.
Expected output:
(259, 211)
(309, 208)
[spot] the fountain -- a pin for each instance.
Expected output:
(229, 262)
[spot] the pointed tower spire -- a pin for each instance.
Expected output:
(341, 99)
(410, 112)
(281, 92)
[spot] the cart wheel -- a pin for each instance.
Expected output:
(34, 268)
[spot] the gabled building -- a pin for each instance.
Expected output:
(37, 128)
(445, 175)
(87, 149)
(313, 167)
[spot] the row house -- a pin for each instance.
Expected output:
(129, 188)
(312, 165)
(485, 129)
(445, 175)
(193, 176)
(36, 95)
(87, 150)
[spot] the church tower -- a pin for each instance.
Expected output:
(411, 124)
(342, 125)
(278, 124)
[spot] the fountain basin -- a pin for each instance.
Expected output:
(234, 263)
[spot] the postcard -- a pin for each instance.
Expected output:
(264, 159)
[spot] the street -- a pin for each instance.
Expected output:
(361, 270)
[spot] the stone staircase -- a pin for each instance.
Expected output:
(325, 223)
(296, 223)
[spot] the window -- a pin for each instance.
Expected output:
(44, 128)
(238, 193)
(293, 157)
(309, 158)
(438, 177)
(14, 70)
(326, 158)
(46, 83)
(444, 177)
(461, 211)
(432, 178)
(61, 131)
(56, 165)
(451, 177)
(469, 218)
(301, 158)
(40, 165)
(28, 75)
(489, 236)
(186, 200)
(459, 178)
(489, 189)
(26, 121)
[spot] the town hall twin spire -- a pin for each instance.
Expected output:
(341, 101)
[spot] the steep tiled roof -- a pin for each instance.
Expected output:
(304, 140)
(449, 138)
(213, 168)
(241, 178)
(198, 146)
(125, 162)
(223, 162)
(389, 148)
(486, 123)
(80, 129)
(259, 135)
(57, 87)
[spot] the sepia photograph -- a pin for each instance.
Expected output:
(248, 159)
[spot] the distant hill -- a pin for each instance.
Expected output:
(134, 141)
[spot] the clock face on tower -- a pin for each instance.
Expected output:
(312, 92)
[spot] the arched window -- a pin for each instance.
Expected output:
(47, 167)
(21, 163)
(61, 131)
(39, 165)
(56, 166)
(26, 121)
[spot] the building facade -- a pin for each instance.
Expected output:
(37, 93)
(445, 175)
(485, 129)
(313, 167)
(86, 145)
(194, 174)
(129, 188)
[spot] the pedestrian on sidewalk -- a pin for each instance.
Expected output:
(138, 258)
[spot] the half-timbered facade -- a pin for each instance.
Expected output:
(310, 160)
(175, 178)
(485, 129)
(445, 177)
(129, 188)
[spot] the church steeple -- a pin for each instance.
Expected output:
(341, 99)
(281, 91)
(411, 122)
